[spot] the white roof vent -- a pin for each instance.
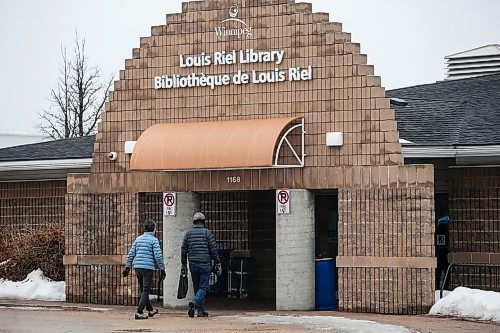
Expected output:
(403, 141)
(398, 101)
(483, 60)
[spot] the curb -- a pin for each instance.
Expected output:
(51, 307)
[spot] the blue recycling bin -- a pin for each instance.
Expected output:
(325, 284)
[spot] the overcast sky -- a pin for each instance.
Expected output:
(406, 40)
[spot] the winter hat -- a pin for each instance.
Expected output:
(199, 218)
(149, 225)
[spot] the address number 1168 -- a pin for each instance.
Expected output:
(234, 179)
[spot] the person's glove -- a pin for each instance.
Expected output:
(162, 274)
(184, 269)
(218, 269)
(125, 272)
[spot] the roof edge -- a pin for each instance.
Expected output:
(474, 49)
(395, 90)
(59, 164)
(450, 151)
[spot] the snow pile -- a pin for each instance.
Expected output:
(437, 294)
(469, 303)
(339, 324)
(35, 286)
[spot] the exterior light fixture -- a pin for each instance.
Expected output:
(129, 147)
(335, 139)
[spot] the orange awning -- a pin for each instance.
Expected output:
(209, 145)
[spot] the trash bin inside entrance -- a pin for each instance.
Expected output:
(325, 284)
(240, 274)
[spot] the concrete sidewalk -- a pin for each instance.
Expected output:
(175, 320)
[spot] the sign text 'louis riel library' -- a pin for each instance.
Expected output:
(266, 117)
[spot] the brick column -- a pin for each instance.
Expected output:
(295, 254)
(174, 228)
(386, 250)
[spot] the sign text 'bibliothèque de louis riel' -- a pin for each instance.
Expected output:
(240, 77)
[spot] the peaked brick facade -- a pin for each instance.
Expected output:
(386, 247)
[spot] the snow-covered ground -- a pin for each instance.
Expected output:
(437, 294)
(461, 302)
(340, 324)
(35, 286)
(469, 303)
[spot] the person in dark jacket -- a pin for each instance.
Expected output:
(200, 247)
(442, 249)
(145, 252)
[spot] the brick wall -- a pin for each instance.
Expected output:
(475, 210)
(475, 177)
(343, 95)
(385, 250)
(32, 205)
(100, 228)
(475, 227)
(441, 170)
(387, 290)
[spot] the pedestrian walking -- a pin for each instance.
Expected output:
(145, 252)
(200, 248)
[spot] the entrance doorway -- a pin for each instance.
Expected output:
(326, 224)
(244, 226)
(326, 245)
(441, 236)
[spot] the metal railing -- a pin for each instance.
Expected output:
(478, 265)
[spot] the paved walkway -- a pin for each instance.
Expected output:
(59, 317)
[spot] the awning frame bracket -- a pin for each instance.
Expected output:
(300, 159)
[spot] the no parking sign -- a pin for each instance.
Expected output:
(283, 201)
(169, 202)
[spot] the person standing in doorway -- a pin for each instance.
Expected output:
(200, 248)
(145, 252)
(442, 249)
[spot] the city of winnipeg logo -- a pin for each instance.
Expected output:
(233, 26)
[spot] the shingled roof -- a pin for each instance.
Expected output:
(448, 113)
(73, 148)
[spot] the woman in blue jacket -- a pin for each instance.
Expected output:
(145, 252)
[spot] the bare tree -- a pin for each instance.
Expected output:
(78, 100)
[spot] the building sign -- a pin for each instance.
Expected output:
(169, 203)
(233, 57)
(239, 27)
(283, 201)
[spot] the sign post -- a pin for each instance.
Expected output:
(169, 203)
(283, 201)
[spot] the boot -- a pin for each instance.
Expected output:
(139, 316)
(203, 314)
(152, 312)
(192, 306)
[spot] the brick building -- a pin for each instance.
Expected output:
(454, 126)
(227, 105)
(33, 180)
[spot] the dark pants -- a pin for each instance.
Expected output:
(442, 266)
(200, 273)
(145, 279)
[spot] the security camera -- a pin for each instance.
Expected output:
(112, 156)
